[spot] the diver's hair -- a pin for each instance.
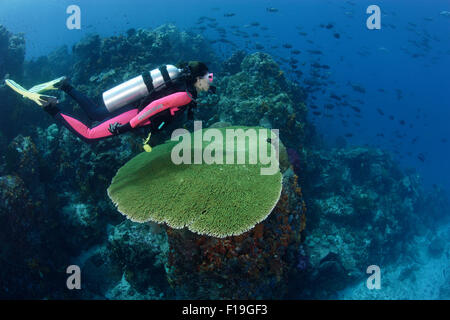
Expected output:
(197, 69)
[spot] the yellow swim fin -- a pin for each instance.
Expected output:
(40, 99)
(47, 85)
(146, 145)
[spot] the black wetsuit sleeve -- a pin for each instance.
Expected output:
(124, 128)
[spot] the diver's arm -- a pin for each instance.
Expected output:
(172, 101)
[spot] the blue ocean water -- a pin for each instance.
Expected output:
(397, 77)
(374, 59)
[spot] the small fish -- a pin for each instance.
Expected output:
(336, 35)
(229, 14)
(402, 122)
(254, 24)
(421, 157)
(380, 111)
(358, 88)
(356, 108)
(287, 46)
(271, 9)
(317, 113)
(329, 106)
(329, 26)
(335, 97)
(315, 51)
(295, 51)
(348, 135)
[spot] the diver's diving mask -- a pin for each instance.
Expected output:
(209, 77)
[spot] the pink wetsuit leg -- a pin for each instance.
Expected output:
(99, 131)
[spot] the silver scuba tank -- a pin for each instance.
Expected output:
(139, 87)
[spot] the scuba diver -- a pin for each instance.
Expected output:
(154, 98)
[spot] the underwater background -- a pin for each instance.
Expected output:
(363, 115)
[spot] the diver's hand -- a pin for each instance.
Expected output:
(117, 128)
(114, 128)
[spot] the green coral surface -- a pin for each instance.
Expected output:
(213, 199)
